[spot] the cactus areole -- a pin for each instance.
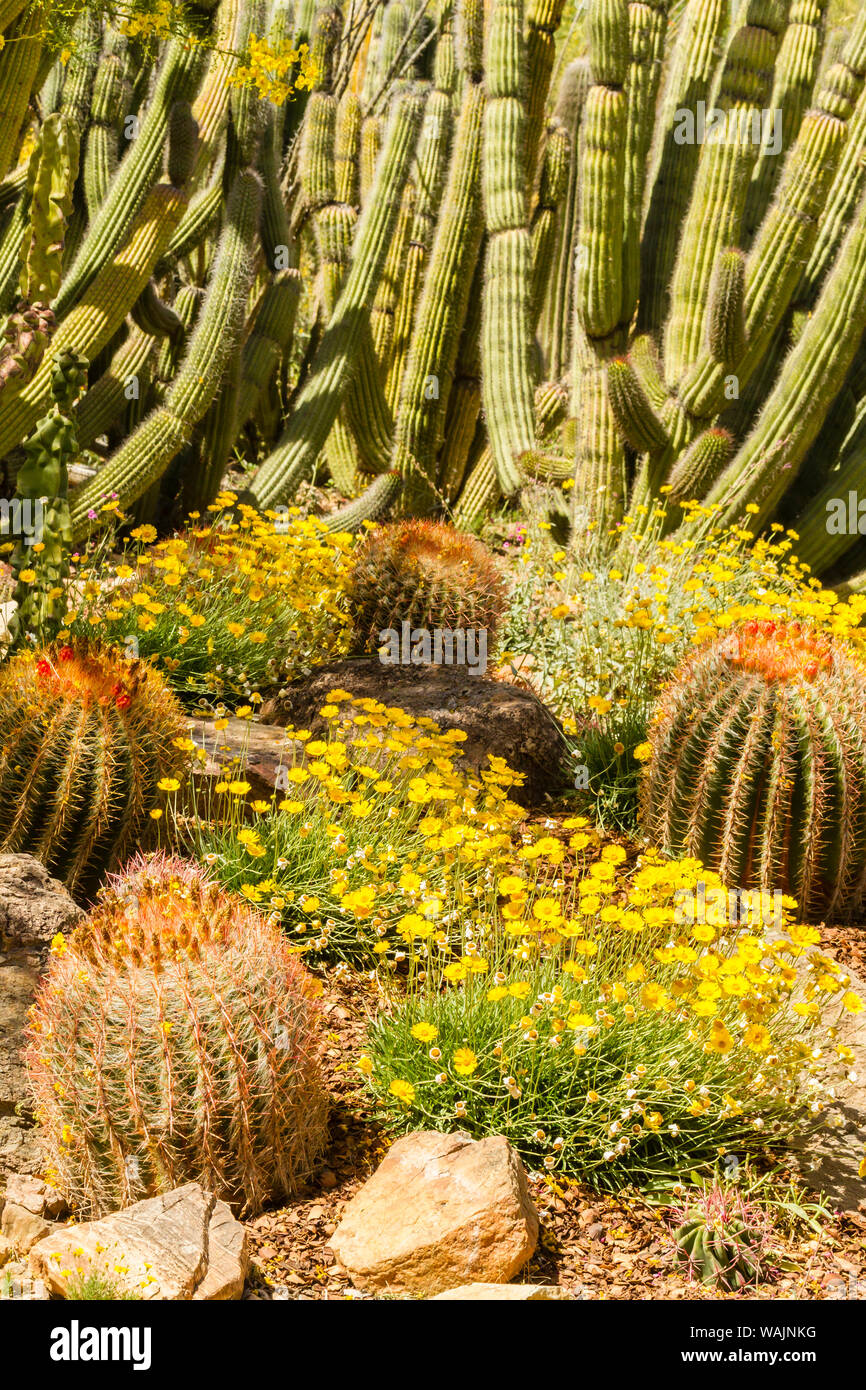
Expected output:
(759, 765)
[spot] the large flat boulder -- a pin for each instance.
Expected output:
(499, 719)
(441, 1211)
(183, 1245)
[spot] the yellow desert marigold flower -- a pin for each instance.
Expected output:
(464, 1061)
(424, 1032)
(404, 1091)
(643, 752)
(852, 1002)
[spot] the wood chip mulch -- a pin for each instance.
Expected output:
(591, 1246)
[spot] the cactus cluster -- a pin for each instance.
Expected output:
(427, 575)
(758, 765)
(392, 274)
(85, 738)
(174, 1040)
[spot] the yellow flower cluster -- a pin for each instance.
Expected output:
(276, 70)
(237, 603)
(378, 841)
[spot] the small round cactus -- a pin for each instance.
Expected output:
(173, 1040)
(426, 574)
(759, 764)
(722, 1239)
(85, 737)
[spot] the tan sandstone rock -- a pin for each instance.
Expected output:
(442, 1210)
(501, 1293)
(182, 1245)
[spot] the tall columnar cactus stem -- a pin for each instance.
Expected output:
(103, 401)
(372, 131)
(849, 171)
(374, 504)
(599, 332)
(82, 67)
(674, 163)
(93, 323)
(211, 105)
(811, 376)
(796, 68)
(441, 312)
(507, 383)
(40, 562)
(647, 23)
(715, 215)
(481, 490)
(106, 115)
(19, 68)
(429, 179)
(51, 176)
(553, 185)
(464, 402)
(542, 21)
(147, 453)
(137, 171)
(270, 337)
(325, 388)
(366, 418)
(175, 1040)
(555, 328)
(84, 739)
(698, 467)
(789, 230)
(758, 765)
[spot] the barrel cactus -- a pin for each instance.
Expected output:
(425, 574)
(759, 764)
(173, 1040)
(86, 736)
(721, 1238)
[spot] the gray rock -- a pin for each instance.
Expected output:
(33, 905)
(500, 719)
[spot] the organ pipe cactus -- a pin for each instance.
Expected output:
(759, 765)
(673, 236)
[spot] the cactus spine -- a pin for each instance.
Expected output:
(174, 1040)
(507, 383)
(86, 736)
(758, 765)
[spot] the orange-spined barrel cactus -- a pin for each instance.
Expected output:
(759, 765)
(426, 574)
(173, 1040)
(85, 737)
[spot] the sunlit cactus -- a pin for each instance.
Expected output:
(85, 737)
(425, 574)
(174, 1040)
(759, 765)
